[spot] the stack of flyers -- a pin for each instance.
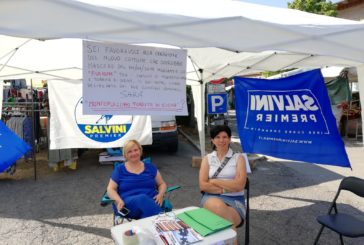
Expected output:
(171, 225)
(176, 232)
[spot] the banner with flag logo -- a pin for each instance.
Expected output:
(289, 118)
(71, 128)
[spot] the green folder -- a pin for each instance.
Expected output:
(203, 221)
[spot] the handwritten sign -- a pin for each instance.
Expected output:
(133, 80)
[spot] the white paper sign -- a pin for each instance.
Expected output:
(133, 80)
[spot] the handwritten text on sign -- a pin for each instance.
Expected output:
(133, 80)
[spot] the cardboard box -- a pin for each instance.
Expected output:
(196, 162)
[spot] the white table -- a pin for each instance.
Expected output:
(226, 236)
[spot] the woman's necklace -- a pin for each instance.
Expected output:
(221, 154)
(135, 167)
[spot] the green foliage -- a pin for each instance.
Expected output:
(272, 73)
(314, 6)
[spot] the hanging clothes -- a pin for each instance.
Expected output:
(339, 90)
(28, 136)
(23, 128)
(6, 93)
(62, 157)
(340, 94)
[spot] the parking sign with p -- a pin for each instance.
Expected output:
(217, 103)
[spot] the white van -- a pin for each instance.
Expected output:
(165, 132)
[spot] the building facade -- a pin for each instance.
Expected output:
(351, 9)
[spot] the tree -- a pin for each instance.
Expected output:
(314, 6)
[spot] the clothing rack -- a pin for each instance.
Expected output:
(29, 109)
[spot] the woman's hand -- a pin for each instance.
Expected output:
(112, 191)
(219, 190)
(120, 204)
(159, 199)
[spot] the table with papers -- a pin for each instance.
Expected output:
(226, 236)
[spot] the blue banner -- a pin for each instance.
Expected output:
(289, 118)
(11, 147)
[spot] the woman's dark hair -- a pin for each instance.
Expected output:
(218, 129)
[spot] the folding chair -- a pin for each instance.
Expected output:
(247, 195)
(344, 224)
(246, 222)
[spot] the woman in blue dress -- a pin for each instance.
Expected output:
(136, 185)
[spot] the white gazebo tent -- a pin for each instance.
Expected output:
(217, 33)
(32, 59)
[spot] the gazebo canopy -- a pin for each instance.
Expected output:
(218, 34)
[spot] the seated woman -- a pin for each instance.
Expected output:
(224, 193)
(135, 185)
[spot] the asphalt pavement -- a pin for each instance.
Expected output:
(63, 207)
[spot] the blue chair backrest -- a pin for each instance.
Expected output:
(115, 152)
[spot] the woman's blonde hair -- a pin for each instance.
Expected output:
(129, 144)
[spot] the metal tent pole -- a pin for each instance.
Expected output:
(33, 126)
(202, 132)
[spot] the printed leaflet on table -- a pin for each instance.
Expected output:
(175, 231)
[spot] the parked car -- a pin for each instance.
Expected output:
(165, 133)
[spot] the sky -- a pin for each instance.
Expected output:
(275, 3)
